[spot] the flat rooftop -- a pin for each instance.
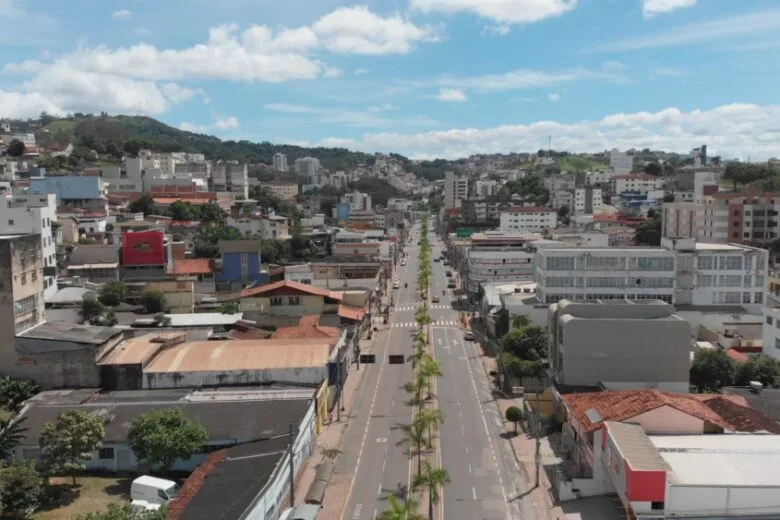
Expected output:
(61, 331)
(721, 460)
(261, 354)
(707, 246)
(201, 319)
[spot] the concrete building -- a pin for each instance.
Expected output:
(239, 265)
(307, 166)
(640, 182)
(34, 214)
(230, 177)
(280, 162)
(528, 219)
(620, 344)
(21, 287)
(485, 265)
(456, 189)
(88, 193)
(620, 163)
(486, 188)
(587, 200)
(357, 201)
(699, 156)
(771, 333)
(284, 190)
(680, 220)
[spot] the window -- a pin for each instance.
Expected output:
(705, 280)
(294, 300)
(730, 280)
(704, 262)
(777, 343)
(106, 453)
(10, 222)
(34, 276)
(730, 263)
(759, 297)
(23, 278)
(769, 320)
(276, 301)
(654, 263)
(657, 505)
(559, 263)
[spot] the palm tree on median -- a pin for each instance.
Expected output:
(431, 479)
(415, 437)
(401, 510)
(431, 418)
(416, 389)
(430, 368)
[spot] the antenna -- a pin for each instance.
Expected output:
(549, 146)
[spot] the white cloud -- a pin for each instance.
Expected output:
(499, 30)
(178, 94)
(667, 71)
(356, 30)
(122, 14)
(229, 123)
(370, 118)
(452, 95)
(360, 72)
(519, 79)
(332, 72)
(714, 30)
(500, 11)
(194, 128)
(17, 105)
(382, 108)
(554, 97)
(654, 7)
(736, 130)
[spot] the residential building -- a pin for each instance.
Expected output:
(640, 182)
(360, 219)
(487, 210)
(704, 184)
(699, 156)
(357, 201)
(34, 214)
(239, 265)
(97, 263)
(88, 193)
(680, 219)
(619, 344)
(145, 255)
(230, 177)
(307, 166)
(588, 200)
(179, 294)
(771, 332)
(456, 189)
(276, 227)
(487, 188)
(280, 162)
(620, 163)
(488, 265)
(528, 219)
(285, 190)
(21, 286)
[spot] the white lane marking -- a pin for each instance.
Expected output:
(358, 511)
(379, 491)
(383, 465)
(474, 493)
(470, 469)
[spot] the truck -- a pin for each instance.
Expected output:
(153, 491)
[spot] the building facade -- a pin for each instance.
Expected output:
(640, 182)
(239, 265)
(280, 162)
(456, 189)
(530, 219)
(283, 190)
(620, 163)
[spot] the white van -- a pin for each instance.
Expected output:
(142, 506)
(153, 490)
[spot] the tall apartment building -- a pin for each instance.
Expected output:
(307, 166)
(640, 182)
(699, 156)
(34, 214)
(682, 271)
(561, 189)
(620, 163)
(679, 219)
(357, 201)
(587, 200)
(282, 189)
(456, 189)
(487, 187)
(280, 162)
(231, 177)
(525, 219)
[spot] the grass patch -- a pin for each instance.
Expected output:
(574, 163)
(63, 125)
(90, 495)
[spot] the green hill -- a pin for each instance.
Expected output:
(111, 134)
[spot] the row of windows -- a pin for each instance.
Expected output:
(554, 298)
(618, 282)
(720, 263)
(736, 298)
(610, 263)
(729, 280)
(278, 301)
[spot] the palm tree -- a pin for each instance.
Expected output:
(11, 434)
(419, 357)
(401, 510)
(430, 368)
(431, 418)
(416, 388)
(416, 439)
(431, 479)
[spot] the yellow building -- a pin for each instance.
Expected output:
(179, 296)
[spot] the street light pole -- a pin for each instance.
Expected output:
(291, 453)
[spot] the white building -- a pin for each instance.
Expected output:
(34, 214)
(587, 200)
(280, 162)
(771, 332)
(456, 189)
(497, 265)
(640, 182)
(621, 163)
(357, 201)
(307, 166)
(527, 219)
(679, 219)
(231, 177)
(338, 180)
(705, 181)
(486, 188)
(681, 272)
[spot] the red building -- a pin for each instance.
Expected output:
(143, 248)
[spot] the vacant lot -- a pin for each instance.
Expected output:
(90, 494)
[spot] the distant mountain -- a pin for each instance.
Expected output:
(110, 134)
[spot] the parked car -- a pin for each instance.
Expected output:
(468, 336)
(435, 299)
(396, 284)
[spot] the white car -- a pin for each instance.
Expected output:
(396, 284)
(403, 262)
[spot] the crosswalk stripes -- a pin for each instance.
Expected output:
(415, 307)
(436, 323)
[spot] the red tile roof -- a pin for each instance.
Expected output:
(246, 330)
(290, 284)
(737, 356)
(621, 405)
(351, 313)
(193, 484)
(308, 328)
(192, 266)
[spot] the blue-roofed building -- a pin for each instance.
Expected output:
(79, 191)
(239, 265)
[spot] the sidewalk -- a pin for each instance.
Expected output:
(524, 447)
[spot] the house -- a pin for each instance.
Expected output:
(192, 268)
(239, 265)
(95, 262)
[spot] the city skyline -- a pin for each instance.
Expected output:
(426, 78)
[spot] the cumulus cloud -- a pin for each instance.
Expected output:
(452, 95)
(122, 14)
(503, 12)
(369, 118)
(228, 123)
(194, 128)
(735, 130)
(178, 94)
(16, 105)
(553, 97)
(360, 72)
(653, 7)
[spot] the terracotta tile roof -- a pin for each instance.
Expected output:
(622, 405)
(308, 328)
(193, 484)
(192, 266)
(351, 313)
(291, 284)
(737, 356)
(243, 330)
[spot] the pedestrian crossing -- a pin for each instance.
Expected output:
(413, 325)
(399, 308)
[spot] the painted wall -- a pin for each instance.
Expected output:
(298, 376)
(68, 188)
(241, 267)
(722, 501)
(143, 248)
(309, 305)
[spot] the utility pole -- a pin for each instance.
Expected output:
(291, 453)
(338, 387)
(537, 434)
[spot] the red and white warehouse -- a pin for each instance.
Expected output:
(692, 476)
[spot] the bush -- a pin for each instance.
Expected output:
(515, 415)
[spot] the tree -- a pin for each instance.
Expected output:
(212, 213)
(400, 510)
(143, 204)
(416, 438)
(430, 368)
(11, 435)
(69, 440)
(21, 488)
(136, 144)
(109, 319)
(153, 301)
(529, 343)
(165, 436)
(13, 391)
(711, 370)
(563, 213)
(271, 251)
(431, 418)
(654, 169)
(648, 233)
(521, 321)
(229, 308)
(514, 415)
(761, 369)
(16, 148)
(91, 309)
(112, 294)
(432, 480)
(124, 511)
(180, 210)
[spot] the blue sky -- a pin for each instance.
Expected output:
(427, 78)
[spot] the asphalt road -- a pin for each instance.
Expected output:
(370, 449)
(486, 480)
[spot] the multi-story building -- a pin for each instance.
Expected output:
(239, 265)
(200, 170)
(587, 200)
(456, 189)
(771, 333)
(357, 201)
(488, 265)
(280, 162)
(620, 163)
(487, 187)
(230, 177)
(34, 214)
(561, 189)
(527, 219)
(486, 210)
(284, 190)
(621, 344)
(682, 272)
(699, 156)
(21, 286)
(307, 166)
(640, 182)
(88, 193)
(679, 219)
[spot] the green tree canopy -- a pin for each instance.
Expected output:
(165, 436)
(112, 293)
(153, 301)
(528, 343)
(761, 369)
(91, 310)
(16, 148)
(711, 370)
(143, 204)
(69, 440)
(21, 488)
(514, 415)
(14, 391)
(654, 169)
